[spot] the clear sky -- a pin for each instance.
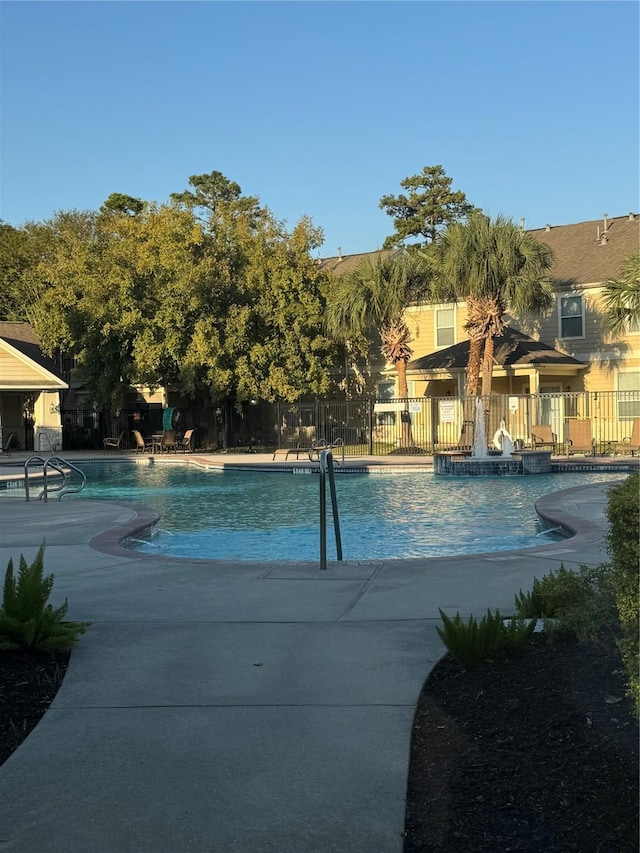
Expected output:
(320, 108)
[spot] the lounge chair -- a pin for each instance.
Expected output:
(113, 443)
(142, 444)
(630, 444)
(579, 438)
(542, 438)
(184, 445)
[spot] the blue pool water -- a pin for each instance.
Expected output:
(266, 516)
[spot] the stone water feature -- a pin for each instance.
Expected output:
(500, 460)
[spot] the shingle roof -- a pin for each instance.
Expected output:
(580, 257)
(347, 263)
(21, 336)
(511, 349)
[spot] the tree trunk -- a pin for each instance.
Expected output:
(473, 367)
(487, 366)
(403, 391)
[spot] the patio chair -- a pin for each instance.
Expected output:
(113, 443)
(184, 445)
(542, 438)
(168, 443)
(630, 444)
(13, 443)
(580, 438)
(142, 444)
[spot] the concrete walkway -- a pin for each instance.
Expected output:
(219, 707)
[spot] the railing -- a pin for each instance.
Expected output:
(368, 426)
(322, 444)
(326, 472)
(63, 486)
(379, 427)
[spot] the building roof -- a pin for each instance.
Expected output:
(23, 339)
(512, 349)
(585, 252)
(342, 264)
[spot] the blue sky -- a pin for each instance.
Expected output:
(320, 108)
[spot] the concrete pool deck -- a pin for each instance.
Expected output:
(215, 706)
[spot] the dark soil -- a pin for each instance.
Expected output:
(28, 683)
(537, 754)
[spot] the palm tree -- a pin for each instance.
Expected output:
(621, 297)
(376, 294)
(495, 267)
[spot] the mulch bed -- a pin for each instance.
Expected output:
(28, 684)
(536, 754)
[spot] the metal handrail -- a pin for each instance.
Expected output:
(326, 469)
(322, 444)
(62, 466)
(26, 474)
(59, 464)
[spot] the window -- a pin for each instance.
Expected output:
(445, 327)
(571, 316)
(386, 390)
(628, 397)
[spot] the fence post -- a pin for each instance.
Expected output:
(370, 424)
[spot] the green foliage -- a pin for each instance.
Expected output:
(375, 296)
(121, 203)
(576, 604)
(549, 596)
(209, 290)
(621, 297)
(431, 203)
(494, 266)
(623, 512)
(26, 620)
(20, 289)
(490, 639)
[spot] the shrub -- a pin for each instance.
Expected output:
(623, 541)
(26, 620)
(549, 595)
(490, 639)
(581, 603)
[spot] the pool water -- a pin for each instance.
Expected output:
(247, 515)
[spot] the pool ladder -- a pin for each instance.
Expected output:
(61, 488)
(325, 457)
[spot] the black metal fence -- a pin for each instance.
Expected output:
(368, 426)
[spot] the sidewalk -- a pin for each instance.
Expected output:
(219, 707)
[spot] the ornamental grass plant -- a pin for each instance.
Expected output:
(471, 642)
(27, 621)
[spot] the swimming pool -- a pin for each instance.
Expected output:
(250, 515)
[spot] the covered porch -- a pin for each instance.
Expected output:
(30, 387)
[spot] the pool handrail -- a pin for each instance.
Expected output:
(62, 466)
(326, 471)
(322, 444)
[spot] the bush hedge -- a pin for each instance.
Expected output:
(623, 545)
